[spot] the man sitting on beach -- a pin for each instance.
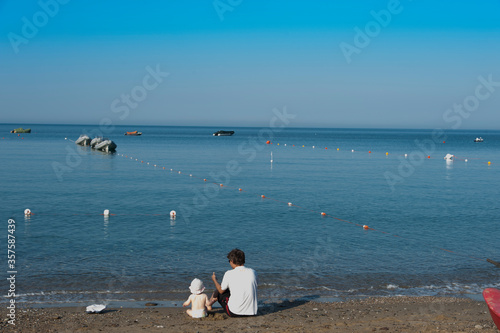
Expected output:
(237, 294)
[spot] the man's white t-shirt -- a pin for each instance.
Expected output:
(242, 283)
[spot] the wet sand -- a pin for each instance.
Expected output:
(394, 314)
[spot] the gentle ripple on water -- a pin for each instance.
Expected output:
(68, 251)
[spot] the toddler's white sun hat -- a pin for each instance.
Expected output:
(196, 286)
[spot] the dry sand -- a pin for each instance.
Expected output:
(395, 314)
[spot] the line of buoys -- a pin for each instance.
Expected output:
(324, 214)
(365, 227)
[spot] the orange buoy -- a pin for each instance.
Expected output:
(221, 185)
(429, 156)
(268, 142)
(142, 161)
(326, 147)
(369, 152)
(240, 189)
(262, 196)
(163, 168)
(444, 141)
(323, 214)
(366, 227)
(204, 179)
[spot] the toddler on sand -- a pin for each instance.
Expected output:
(199, 301)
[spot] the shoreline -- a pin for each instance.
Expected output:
(263, 301)
(391, 314)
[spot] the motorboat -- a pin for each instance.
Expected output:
(83, 140)
(106, 146)
(95, 141)
(480, 139)
(223, 133)
(21, 130)
(134, 133)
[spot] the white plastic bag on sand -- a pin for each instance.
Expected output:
(95, 308)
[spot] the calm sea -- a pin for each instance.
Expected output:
(432, 224)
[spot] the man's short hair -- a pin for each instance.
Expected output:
(237, 257)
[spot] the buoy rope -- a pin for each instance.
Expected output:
(338, 149)
(228, 187)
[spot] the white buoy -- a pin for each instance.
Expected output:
(106, 212)
(173, 214)
(352, 150)
(313, 147)
(466, 160)
(289, 204)
(406, 155)
(27, 212)
(271, 157)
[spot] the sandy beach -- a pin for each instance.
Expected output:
(394, 314)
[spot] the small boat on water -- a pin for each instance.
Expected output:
(223, 133)
(106, 146)
(135, 133)
(95, 141)
(21, 130)
(480, 139)
(83, 140)
(492, 298)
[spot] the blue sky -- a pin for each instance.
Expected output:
(417, 64)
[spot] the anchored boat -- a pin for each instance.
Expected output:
(95, 141)
(106, 146)
(83, 140)
(99, 143)
(223, 133)
(480, 139)
(134, 133)
(21, 130)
